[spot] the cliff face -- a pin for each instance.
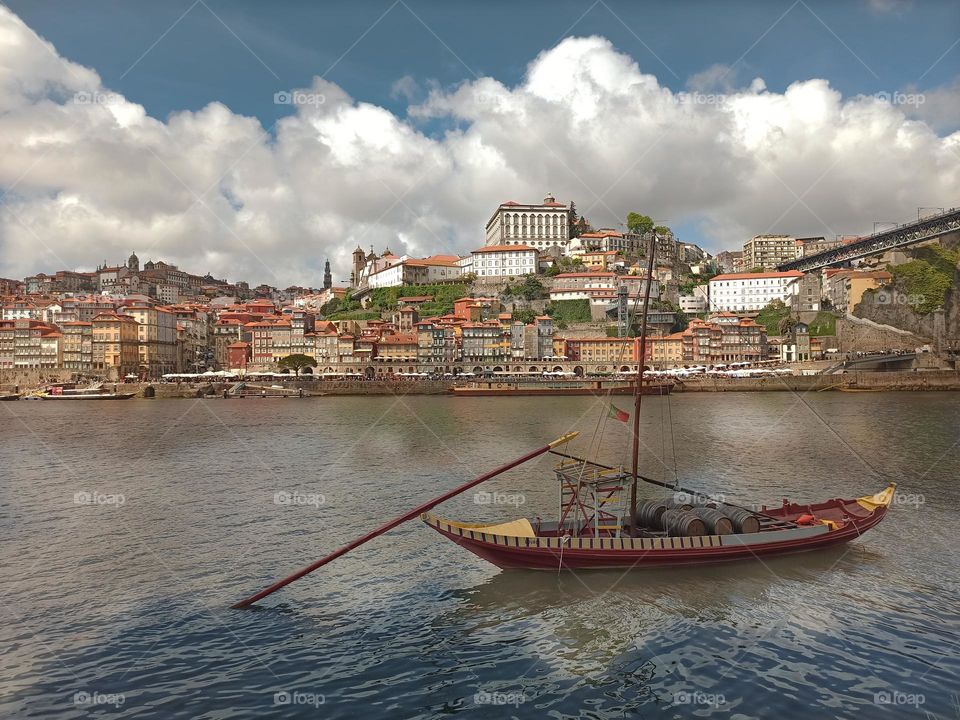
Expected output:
(892, 306)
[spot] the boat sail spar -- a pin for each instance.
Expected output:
(601, 525)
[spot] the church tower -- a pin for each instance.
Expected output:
(133, 263)
(359, 263)
(327, 277)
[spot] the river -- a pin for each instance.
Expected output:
(128, 528)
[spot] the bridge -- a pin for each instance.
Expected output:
(911, 233)
(881, 361)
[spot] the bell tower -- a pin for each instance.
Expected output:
(327, 277)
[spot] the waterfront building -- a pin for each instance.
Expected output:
(666, 351)
(769, 251)
(115, 345)
(723, 338)
(156, 339)
(751, 292)
(498, 262)
(539, 226)
(29, 344)
(77, 346)
(601, 349)
(484, 342)
(401, 346)
(845, 288)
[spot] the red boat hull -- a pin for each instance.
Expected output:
(552, 553)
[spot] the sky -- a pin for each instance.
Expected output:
(256, 140)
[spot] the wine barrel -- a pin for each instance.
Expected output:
(683, 523)
(717, 523)
(744, 521)
(676, 504)
(649, 514)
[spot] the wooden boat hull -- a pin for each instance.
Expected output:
(9, 398)
(589, 553)
(111, 396)
(494, 389)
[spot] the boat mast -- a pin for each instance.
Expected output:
(638, 390)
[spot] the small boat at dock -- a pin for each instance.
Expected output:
(493, 388)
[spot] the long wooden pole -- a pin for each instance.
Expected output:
(639, 389)
(402, 519)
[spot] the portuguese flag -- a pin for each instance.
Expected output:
(617, 414)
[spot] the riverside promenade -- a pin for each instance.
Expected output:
(909, 381)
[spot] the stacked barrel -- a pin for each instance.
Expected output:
(679, 518)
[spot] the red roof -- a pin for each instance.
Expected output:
(747, 275)
(503, 248)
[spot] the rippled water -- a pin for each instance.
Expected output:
(128, 604)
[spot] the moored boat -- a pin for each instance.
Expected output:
(544, 546)
(86, 396)
(493, 388)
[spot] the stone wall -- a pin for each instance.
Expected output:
(865, 335)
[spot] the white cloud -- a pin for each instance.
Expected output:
(211, 191)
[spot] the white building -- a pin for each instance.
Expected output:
(413, 271)
(697, 302)
(504, 261)
(539, 226)
(606, 240)
(751, 292)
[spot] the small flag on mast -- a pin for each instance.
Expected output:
(618, 414)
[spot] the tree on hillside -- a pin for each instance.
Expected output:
(639, 224)
(786, 325)
(297, 362)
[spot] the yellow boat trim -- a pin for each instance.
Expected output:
(881, 499)
(514, 528)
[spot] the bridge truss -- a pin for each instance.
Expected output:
(901, 236)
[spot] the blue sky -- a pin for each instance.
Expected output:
(434, 112)
(858, 46)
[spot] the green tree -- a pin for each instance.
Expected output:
(639, 224)
(531, 288)
(525, 316)
(662, 230)
(297, 362)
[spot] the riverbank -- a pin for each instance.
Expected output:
(937, 380)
